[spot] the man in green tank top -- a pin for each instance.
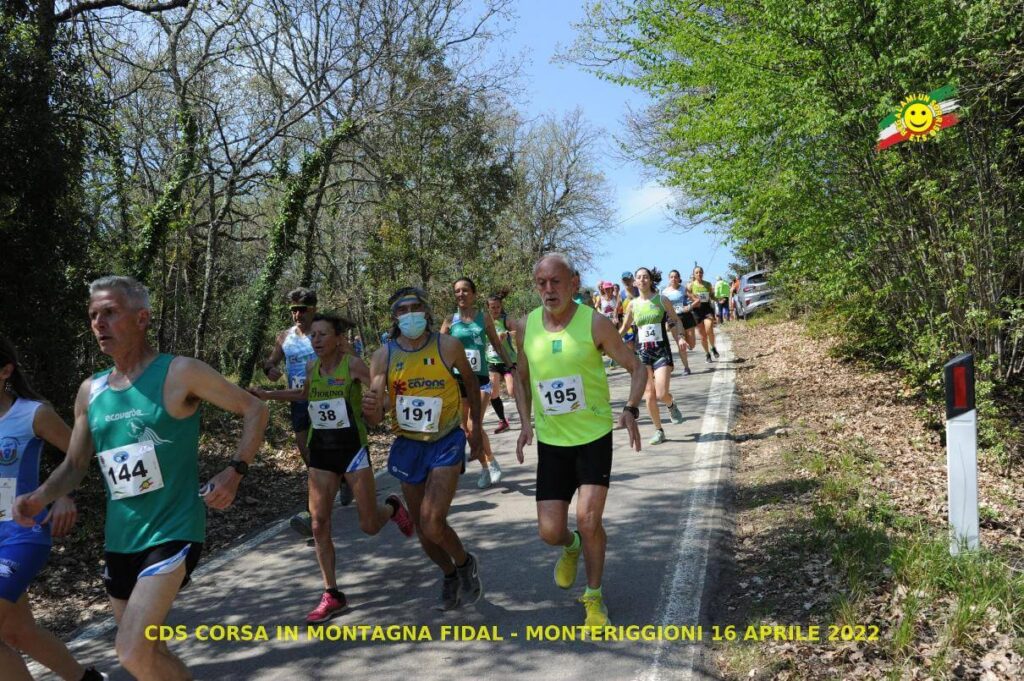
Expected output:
(561, 370)
(141, 420)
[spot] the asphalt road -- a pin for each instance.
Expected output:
(662, 518)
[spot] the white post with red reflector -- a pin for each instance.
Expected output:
(962, 453)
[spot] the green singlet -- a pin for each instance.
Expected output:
(149, 460)
(570, 390)
(324, 389)
(473, 335)
(492, 355)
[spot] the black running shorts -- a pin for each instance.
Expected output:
(123, 570)
(561, 470)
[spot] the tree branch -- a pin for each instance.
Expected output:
(75, 10)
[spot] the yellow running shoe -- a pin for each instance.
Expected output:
(565, 568)
(597, 612)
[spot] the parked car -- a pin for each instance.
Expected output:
(754, 293)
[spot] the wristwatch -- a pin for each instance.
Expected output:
(635, 411)
(240, 467)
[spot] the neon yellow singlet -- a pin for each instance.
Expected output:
(424, 395)
(571, 403)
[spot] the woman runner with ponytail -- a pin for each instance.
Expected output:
(499, 370)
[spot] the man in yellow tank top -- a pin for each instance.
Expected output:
(561, 369)
(412, 375)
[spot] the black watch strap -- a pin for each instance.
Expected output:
(635, 411)
(240, 467)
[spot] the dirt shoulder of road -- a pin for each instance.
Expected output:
(840, 521)
(68, 593)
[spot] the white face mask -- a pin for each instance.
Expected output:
(412, 324)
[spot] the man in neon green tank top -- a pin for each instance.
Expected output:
(141, 420)
(561, 369)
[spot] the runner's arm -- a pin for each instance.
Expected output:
(677, 323)
(276, 355)
(71, 470)
(359, 371)
(454, 355)
(496, 340)
(51, 427)
(609, 342)
(627, 321)
(288, 394)
(375, 398)
(202, 382)
(523, 395)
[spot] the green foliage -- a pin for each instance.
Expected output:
(766, 119)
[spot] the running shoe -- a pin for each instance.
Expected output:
(502, 427)
(328, 608)
(345, 494)
(659, 437)
(401, 516)
(91, 674)
(714, 352)
(302, 523)
(449, 593)
(673, 411)
(707, 357)
(597, 611)
(686, 371)
(470, 588)
(566, 566)
(495, 472)
(484, 481)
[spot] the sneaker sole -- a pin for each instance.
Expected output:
(336, 613)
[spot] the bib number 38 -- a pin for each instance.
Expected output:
(329, 414)
(131, 470)
(562, 395)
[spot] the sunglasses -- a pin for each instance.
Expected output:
(299, 308)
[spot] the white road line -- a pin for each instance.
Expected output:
(683, 589)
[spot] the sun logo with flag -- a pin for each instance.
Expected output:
(919, 118)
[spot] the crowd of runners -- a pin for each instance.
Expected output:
(438, 368)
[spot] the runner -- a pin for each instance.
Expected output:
(677, 297)
(338, 449)
(700, 296)
(293, 346)
(470, 326)
(648, 314)
(722, 299)
(413, 375)
(26, 420)
(499, 371)
(734, 290)
(629, 292)
(142, 417)
(561, 351)
(607, 304)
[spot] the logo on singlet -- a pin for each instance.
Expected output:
(8, 451)
(143, 433)
(8, 567)
(130, 414)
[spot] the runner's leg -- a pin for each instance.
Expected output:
(553, 522)
(652, 399)
(323, 485)
(415, 500)
(13, 666)
(709, 331)
(589, 514)
(19, 630)
(149, 604)
(372, 516)
(662, 379)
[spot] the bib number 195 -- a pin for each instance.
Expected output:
(561, 395)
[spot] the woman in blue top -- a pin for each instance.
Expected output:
(26, 420)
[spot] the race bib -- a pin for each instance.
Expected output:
(704, 296)
(473, 356)
(296, 382)
(680, 309)
(131, 470)
(562, 395)
(418, 414)
(7, 488)
(329, 414)
(650, 333)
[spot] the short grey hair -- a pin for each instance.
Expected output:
(134, 292)
(560, 257)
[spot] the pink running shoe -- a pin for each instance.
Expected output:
(401, 516)
(502, 427)
(328, 608)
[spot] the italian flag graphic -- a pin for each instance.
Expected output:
(428, 361)
(919, 117)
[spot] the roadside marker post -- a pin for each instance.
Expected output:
(961, 453)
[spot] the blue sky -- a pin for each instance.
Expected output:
(644, 237)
